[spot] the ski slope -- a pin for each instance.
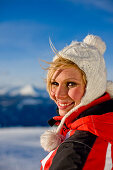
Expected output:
(20, 149)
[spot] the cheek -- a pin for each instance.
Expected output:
(52, 95)
(76, 93)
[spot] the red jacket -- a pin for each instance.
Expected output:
(88, 141)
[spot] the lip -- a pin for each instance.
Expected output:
(63, 106)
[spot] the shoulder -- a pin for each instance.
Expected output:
(73, 151)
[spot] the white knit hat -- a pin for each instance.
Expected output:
(88, 55)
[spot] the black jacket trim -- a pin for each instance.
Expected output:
(73, 152)
(52, 122)
(99, 109)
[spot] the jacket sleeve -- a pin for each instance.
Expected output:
(73, 152)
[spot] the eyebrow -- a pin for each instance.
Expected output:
(69, 79)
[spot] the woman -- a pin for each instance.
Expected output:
(77, 83)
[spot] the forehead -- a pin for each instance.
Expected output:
(67, 73)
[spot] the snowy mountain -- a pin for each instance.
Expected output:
(3, 90)
(27, 90)
(25, 106)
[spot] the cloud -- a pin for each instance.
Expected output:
(106, 5)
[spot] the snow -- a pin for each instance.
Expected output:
(14, 91)
(29, 101)
(20, 148)
(3, 90)
(28, 90)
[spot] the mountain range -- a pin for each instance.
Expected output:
(25, 106)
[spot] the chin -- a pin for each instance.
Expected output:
(63, 113)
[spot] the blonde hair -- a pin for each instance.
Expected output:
(64, 63)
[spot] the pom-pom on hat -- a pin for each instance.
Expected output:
(88, 55)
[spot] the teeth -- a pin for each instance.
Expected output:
(64, 104)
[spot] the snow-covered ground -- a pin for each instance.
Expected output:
(20, 148)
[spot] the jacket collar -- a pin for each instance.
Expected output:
(94, 107)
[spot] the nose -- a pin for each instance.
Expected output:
(61, 92)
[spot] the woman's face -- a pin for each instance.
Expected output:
(67, 88)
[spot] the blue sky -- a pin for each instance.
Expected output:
(25, 27)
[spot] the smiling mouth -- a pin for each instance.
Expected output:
(64, 105)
